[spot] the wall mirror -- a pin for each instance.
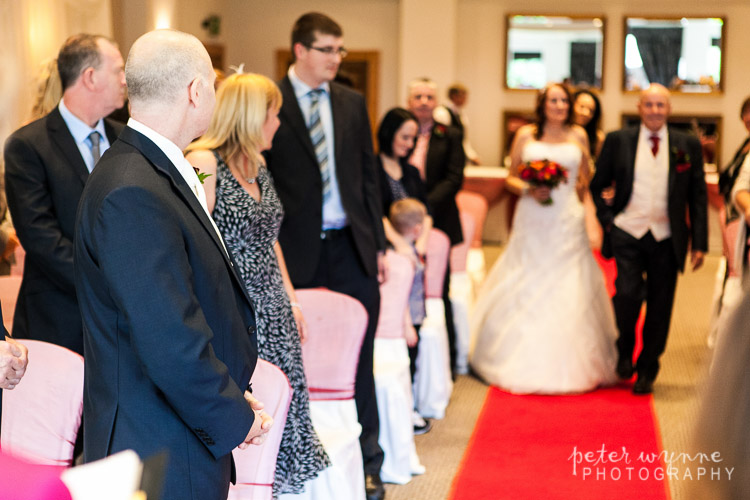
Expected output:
(543, 49)
(684, 55)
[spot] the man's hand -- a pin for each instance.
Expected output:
(13, 360)
(261, 425)
(696, 259)
(382, 268)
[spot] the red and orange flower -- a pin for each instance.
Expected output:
(543, 173)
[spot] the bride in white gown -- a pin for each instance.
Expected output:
(543, 322)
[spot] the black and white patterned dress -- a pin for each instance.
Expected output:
(250, 229)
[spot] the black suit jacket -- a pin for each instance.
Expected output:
(44, 178)
(296, 175)
(169, 331)
(444, 176)
(687, 187)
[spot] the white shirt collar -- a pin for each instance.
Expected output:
(301, 89)
(661, 133)
(79, 129)
(170, 149)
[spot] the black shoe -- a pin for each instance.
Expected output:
(625, 368)
(643, 385)
(374, 489)
(422, 427)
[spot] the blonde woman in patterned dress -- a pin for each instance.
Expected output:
(243, 202)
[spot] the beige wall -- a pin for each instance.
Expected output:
(481, 45)
(458, 40)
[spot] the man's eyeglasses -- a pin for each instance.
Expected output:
(341, 51)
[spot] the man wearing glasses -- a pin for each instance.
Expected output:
(324, 170)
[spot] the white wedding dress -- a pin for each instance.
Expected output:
(543, 322)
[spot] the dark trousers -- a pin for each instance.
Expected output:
(339, 269)
(413, 353)
(651, 265)
(450, 326)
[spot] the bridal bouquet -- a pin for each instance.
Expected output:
(543, 173)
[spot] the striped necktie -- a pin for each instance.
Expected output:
(318, 137)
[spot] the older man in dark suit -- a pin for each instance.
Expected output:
(169, 331)
(47, 164)
(658, 181)
(324, 169)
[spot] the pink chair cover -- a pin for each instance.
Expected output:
(336, 328)
(256, 465)
(476, 205)
(26, 481)
(9, 287)
(17, 268)
(460, 252)
(394, 296)
(42, 414)
(438, 248)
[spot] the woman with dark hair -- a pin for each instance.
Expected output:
(729, 174)
(587, 112)
(543, 322)
(399, 179)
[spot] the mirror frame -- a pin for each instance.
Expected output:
(508, 18)
(722, 46)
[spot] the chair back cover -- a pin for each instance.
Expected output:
(394, 296)
(41, 416)
(336, 328)
(476, 205)
(256, 465)
(27, 481)
(20, 255)
(460, 252)
(438, 248)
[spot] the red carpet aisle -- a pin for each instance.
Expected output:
(524, 447)
(600, 445)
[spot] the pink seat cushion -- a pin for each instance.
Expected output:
(27, 481)
(394, 296)
(256, 465)
(438, 247)
(42, 414)
(476, 205)
(336, 328)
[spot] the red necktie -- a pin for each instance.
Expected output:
(654, 144)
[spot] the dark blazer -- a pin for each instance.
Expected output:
(296, 174)
(687, 187)
(410, 180)
(169, 331)
(44, 179)
(444, 176)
